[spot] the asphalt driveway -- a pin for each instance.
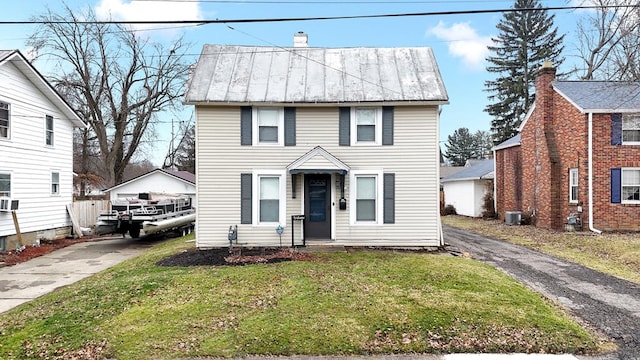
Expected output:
(607, 303)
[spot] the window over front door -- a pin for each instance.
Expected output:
(49, 130)
(4, 120)
(573, 185)
(366, 128)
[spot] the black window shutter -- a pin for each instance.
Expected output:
(289, 126)
(245, 198)
(389, 194)
(616, 185)
(616, 129)
(344, 127)
(245, 125)
(387, 125)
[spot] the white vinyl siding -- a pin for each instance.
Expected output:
(29, 161)
(221, 160)
(631, 129)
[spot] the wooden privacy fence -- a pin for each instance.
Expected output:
(87, 211)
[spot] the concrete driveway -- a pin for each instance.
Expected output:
(26, 281)
(607, 303)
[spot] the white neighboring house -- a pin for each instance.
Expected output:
(36, 143)
(156, 181)
(346, 137)
(466, 188)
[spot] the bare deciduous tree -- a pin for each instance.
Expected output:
(607, 40)
(123, 80)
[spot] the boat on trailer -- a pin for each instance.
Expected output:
(150, 212)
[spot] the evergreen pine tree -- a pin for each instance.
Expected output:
(525, 41)
(461, 146)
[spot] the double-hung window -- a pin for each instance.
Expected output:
(366, 128)
(49, 130)
(366, 198)
(5, 185)
(268, 126)
(269, 197)
(55, 183)
(4, 120)
(631, 129)
(573, 185)
(631, 185)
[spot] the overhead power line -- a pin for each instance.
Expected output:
(315, 18)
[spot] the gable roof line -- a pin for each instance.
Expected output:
(25, 66)
(318, 150)
(481, 170)
(147, 174)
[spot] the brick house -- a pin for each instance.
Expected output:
(578, 152)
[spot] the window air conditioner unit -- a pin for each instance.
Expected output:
(5, 203)
(513, 217)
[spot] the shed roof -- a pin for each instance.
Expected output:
(511, 142)
(228, 74)
(480, 170)
(601, 96)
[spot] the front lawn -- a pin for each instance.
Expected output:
(357, 302)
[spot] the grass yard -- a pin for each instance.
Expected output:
(617, 254)
(359, 302)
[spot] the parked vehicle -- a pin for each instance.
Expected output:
(150, 212)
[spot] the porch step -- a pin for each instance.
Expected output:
(317, 248)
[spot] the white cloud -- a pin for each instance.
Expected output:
(464, 42)
(127, 10)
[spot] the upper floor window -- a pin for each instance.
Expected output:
(631, 185)
(268, 126)
(49, 130)
(55, 183)
(573, 185)
(4, 120)
(366, 125)
(631, 128)
(5, 185)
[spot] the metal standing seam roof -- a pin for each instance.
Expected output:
(601, 96)
(248, 74)
(481, 170)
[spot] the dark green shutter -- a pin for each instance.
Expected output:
(245, 125)
(289, 126)
(616, 185)
(245, 198)
(387, 125)
(616, 129)
(389, 195)
(344, 127)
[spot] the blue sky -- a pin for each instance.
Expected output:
(458, 41)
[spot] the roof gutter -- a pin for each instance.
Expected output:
(591, 228)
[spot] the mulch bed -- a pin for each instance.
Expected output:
(29, 252)
(224, 257)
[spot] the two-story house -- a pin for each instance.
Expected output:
(578, 153)
(36, 143)
(346, 137)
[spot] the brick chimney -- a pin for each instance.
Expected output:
(300, 39)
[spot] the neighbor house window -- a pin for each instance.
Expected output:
(268, 126)
(5, 185)
(573, 185)
(366, 125)
(49, 131)
(631, 128)
(631, 185)
(4, 120)
(55, 183)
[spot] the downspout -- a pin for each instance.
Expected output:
(439, 218)
(591, 228)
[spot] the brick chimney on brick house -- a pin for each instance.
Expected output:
(542, 172)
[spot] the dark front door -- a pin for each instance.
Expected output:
(317, 206)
